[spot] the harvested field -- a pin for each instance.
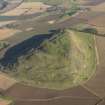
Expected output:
(19, 91)
(14, 12)
(11, 5)
(98, 21)
(90, 2)
(51, 22)
(4, 102)
(6, 33)
(6, 82)
(97, 83)
(61, 101)
(98, 8)
(27, 8)
(82, 1)
(29, 29)
(3, 23)
(94, 2)
(102, 102)
(100, 30)
(26, 95)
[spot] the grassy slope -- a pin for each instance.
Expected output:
(64, 62)
(84, 59)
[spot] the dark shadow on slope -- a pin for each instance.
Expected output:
(12, 54)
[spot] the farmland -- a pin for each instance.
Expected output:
(52, 52)
(5, 33)
(27, 8)
(4, 102)
(6, 81)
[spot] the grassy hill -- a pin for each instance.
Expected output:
(67, 59)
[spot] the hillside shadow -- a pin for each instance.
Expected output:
(12, 54)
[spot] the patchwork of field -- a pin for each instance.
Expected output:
(27, 8)
(97, 82)
(4, 23)
(4, 102)
(11, 4)
(27, 95)
(92, 86)
(98, 8)
(6, 82)
(88, 94)
(6, 33)
(82, 1)
(90, 2)
(98, 23)
(95, 16)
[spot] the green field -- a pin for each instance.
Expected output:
(66, 60)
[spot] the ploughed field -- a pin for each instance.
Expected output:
(27, 8)
(27, 95)
(4, 102)
(52, 65)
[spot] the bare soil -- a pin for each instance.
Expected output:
(4, 102)
(27, 8)
(6, 82)
(97, 83)
(26, 95)
(6, 33)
